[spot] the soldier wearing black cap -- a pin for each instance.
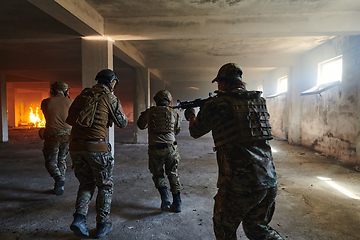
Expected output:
(247, 180)
(57, 133)
(92, 112)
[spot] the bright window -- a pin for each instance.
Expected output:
(282, 84)
(330, 71)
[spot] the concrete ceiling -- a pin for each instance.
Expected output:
(186, 41)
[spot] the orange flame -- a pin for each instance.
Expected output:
(35, 118)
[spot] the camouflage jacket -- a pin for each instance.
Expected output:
(107, 110)
(243, 166)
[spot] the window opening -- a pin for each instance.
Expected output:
(330, 71)
(282, 84)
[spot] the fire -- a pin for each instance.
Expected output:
(35, 118)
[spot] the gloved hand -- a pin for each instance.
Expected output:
(190, 112)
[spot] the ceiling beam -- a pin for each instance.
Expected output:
(127, 53)
(76, 14)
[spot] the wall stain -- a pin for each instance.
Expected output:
(229, 2)
(316, 142)
(351, 99)
(330, 135)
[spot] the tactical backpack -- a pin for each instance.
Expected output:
(82, 110)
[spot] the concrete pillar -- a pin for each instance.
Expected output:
(294, 105)
(3, 109)
(155, 86)
(10, 98)
(141, 101)
(358, 128)
(97, 55)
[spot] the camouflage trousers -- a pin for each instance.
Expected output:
(253, 209)
(168, 158)
(55, 153)
(94, 169)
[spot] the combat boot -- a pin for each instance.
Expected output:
(78, 226)
(59, 186)
(176, 205)
(102, 229)
(165, 200)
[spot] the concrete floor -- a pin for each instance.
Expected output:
(307, 208)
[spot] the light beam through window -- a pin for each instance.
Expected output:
(338, 187)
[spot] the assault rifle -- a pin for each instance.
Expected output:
(199, 102)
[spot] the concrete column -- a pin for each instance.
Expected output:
(3, 109)
(155, 86)
(141, 101)
(294, 105)
(97, 55)
(358, 129)
(10, 99)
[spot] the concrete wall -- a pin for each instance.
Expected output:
(329, 124)
(277, 106)
(278, 116)
(329, 121)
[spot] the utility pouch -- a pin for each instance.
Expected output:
(83, 109)
(42, 133)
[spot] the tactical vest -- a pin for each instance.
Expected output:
(89, 114)
(160, 120)
(241, 119)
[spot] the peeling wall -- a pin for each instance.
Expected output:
(277, 106)
(329, 124)
(278, 116)
(329, 121)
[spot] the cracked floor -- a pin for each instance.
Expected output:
(307, 206)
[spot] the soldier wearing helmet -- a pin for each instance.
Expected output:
(59, 86)
(57, 133)
(92, 112)
(163, 123)
(247, 182)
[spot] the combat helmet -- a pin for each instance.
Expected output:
(163, 95)
(106, 76)
(59, 85)
(229, 71)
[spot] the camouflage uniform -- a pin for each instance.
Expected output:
(91, 157)
(56, 134)
(247, 179)
(94, 169)
(163, 149)
(163, 123)
(55, 151)
(168, 157)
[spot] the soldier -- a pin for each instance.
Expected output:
(163, 123)
(57, 133)
(247, 182)
(92, 112)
